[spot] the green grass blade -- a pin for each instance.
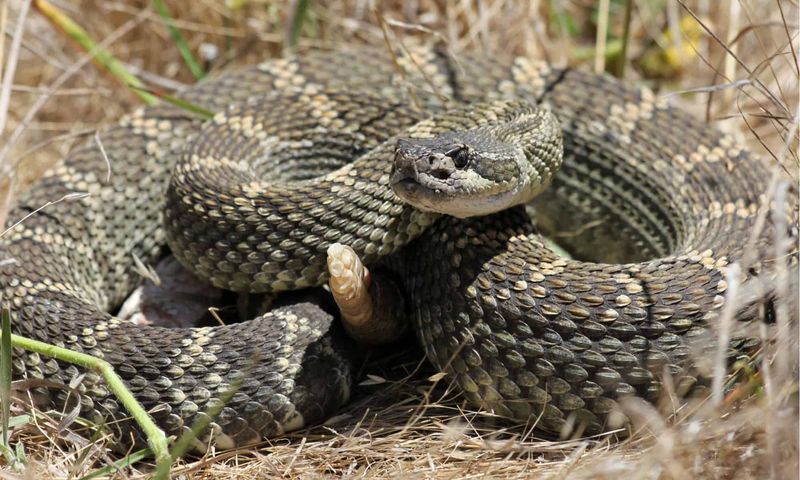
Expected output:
(180, 42)
(5, 371)
(626, 34)
(101, 56)
(181, 103)
(21, 459)
(123, 462)
(156, 438)
(183, 443)
(299, 16)
(561, 19)
(19, 420)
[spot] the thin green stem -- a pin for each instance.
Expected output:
(155, 436)
(5, 371)
(180, 103)
(297, 17)
(115, 467)
(100, 55)
(180, 42)
(184, 442)
(626, 34)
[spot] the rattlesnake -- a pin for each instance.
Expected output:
(522, 331)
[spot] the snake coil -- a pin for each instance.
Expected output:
(657, 203)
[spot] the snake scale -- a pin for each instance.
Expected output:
(660, 203)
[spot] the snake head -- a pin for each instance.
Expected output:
(500, 161)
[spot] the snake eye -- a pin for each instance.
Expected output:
(460, 156)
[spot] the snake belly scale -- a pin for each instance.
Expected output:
(522, 331)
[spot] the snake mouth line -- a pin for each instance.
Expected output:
(404, 183)
(407, 186)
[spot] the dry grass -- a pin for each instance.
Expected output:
(739, 64)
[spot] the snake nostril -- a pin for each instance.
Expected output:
(441, 173)
(431, 159)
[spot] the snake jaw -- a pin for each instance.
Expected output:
(422, 178)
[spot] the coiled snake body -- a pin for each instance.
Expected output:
(522, 331)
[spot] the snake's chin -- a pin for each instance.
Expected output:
(446, 201)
